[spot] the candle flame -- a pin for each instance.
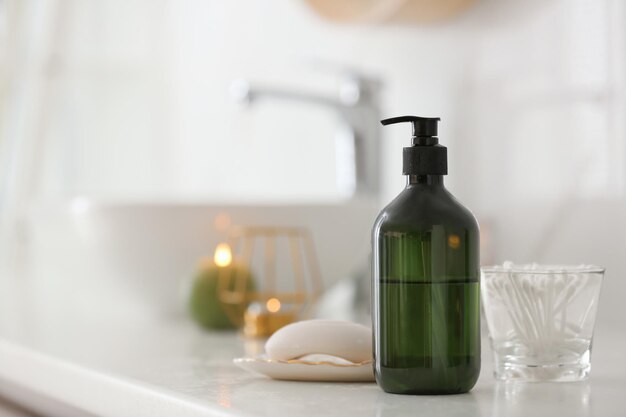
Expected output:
(223, 256)
(273, 305)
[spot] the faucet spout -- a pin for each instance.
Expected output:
(244, 93)
(357, 140)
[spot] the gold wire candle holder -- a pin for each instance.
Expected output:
(269, 303)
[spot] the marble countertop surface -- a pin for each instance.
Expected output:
(78, 365)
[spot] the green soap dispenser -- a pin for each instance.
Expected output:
(426, 301)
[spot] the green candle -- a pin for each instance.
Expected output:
(204, 303)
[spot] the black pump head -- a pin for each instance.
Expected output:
(422, 126)
(426, 156)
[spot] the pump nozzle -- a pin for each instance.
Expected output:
(426, 156)
(422, 126)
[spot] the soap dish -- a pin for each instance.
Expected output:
(315, 367)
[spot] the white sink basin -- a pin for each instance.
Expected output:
(131, 258)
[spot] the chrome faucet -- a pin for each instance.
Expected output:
(357, 141)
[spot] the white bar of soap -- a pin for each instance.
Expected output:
(323, 358)
(350, 341)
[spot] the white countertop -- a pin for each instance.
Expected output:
(171, 368)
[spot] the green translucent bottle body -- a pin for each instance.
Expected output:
(426, 292)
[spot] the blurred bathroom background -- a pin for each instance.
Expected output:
(127, 127)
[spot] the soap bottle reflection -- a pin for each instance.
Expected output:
(460, 405)
(513, 399)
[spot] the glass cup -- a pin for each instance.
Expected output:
(541, 319)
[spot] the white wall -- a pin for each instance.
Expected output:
(144, 87)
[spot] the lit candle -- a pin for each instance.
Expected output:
(263, 319)
(204, 303)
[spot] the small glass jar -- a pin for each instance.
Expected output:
(541, 319)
